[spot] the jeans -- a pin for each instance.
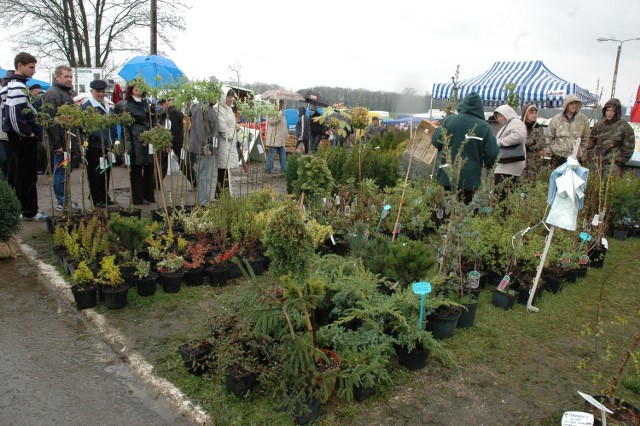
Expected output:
(315, 141)
(59, 177)
(282, 154)
(205, 178)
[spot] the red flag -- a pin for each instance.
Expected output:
(635, 112)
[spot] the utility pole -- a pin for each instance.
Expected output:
(153, 48)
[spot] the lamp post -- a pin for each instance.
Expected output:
(615, 69)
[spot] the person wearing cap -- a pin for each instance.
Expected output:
(98, 153)
(318, 129)
(35, 90)
(374, 129)
(60, 93)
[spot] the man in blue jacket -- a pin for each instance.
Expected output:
(470, 137)
(23, 132)
(98, 153)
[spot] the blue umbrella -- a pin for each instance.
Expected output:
(30, 81)
(155, 70)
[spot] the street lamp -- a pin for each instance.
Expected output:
(615, 69)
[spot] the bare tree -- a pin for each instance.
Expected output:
(86, 33)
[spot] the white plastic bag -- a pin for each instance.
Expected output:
(173, 168)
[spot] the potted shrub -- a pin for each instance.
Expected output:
(194, 258)
(9, 220)
(196, 356)
(408, 260)
(218, 266)
(170, 272)
(365, 354)
(144, 278)
(624, 203)
(85, 290)
(113, 286)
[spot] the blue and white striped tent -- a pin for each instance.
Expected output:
(534, 83)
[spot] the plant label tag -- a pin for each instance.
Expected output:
(585, 237)
(421, 288)
(347, 210)
(112, 158)
(577, 418)
(584, 259)
(103, 163)
(596, 220)
(333, 241)
(504, 283)
(260, 149)
(338, 200)
(183, 154)
(591, 400)
(439, 213)
(565, 262)
(473, 279)
(127, 160)
(150, 148)
(65, 156)
(440, 257)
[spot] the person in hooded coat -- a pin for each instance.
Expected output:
(564, 129)
(511, 138)
(535, 141)
(303, 130)
(471, 138)
(612, 139)
(226, 156)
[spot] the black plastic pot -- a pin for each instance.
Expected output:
(596, 257)
(146, 286)
(620, 234)
(257, 265)
(361, 393)
(310, 412)
(217, 275)
(234, 271)
(171, 281)
(625, 413)
(131, 212)
(127, 274)
(240, 383)
(413, 360)
(196, 358)
(468, 316)
(503, 300)
(115, 297)
(85, 295)
(194, 276)
(553, 283)
(442, 326)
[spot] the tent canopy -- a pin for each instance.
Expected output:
(534, 83)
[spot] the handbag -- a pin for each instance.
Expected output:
(511, 153)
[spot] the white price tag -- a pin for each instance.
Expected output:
(103, 163)
(112, 157)
(150, 148)
(183, 154)
(260, 149)
(127, 160)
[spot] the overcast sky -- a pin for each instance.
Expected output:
(393, 45)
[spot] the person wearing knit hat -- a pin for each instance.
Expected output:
(535, 141)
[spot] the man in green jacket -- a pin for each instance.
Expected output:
(470, 137)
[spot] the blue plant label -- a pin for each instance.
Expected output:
(585, 237)
(504, 283)
(421, 288)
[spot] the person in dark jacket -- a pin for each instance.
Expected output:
(611, 139)
(318, 129)
(142, 170)
(172, 118)
(303, 130)
(60, 93)
(23, 133)
(472, 139)
(98, 153)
